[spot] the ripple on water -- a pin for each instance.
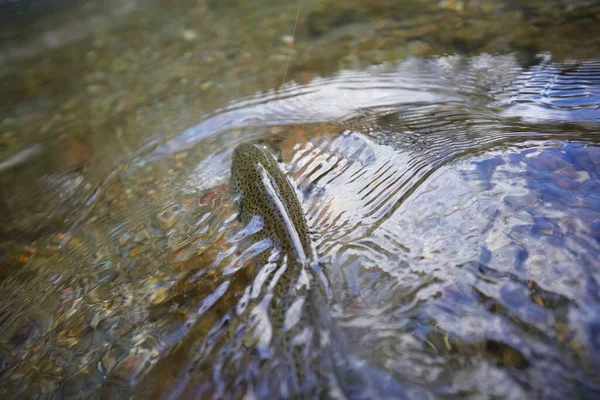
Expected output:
(454, 204)
(487, 250)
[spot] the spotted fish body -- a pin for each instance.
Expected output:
(298, 306)
(262, 189)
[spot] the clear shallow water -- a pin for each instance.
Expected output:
(453, 202)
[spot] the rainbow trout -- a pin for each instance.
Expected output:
(301, 330)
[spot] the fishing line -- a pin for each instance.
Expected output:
(287, 63)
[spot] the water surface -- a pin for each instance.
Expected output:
(453, 201)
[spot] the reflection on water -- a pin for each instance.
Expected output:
(454, 204)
